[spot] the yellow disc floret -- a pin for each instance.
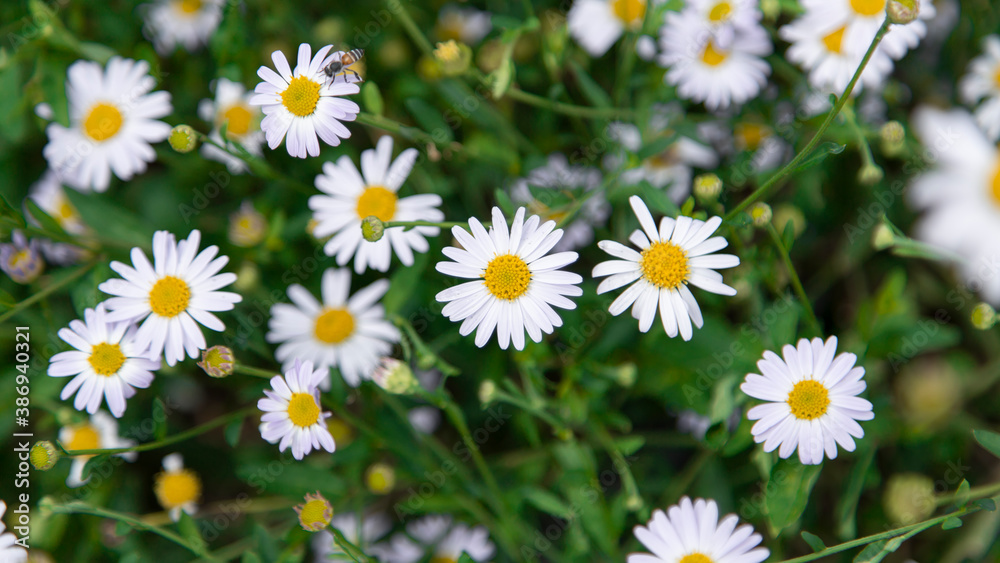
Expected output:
(169, 297)
(238, 118)
(720, 12)
(85, 437)
(808, 400)
(868, 7)
(834, 41)
(106, 359)
(696, 558)
(630, 12)
(303, 410)
(177, 488)
(711, 56)
(301, 96)
(665, 265)
(507, 277)
(377, 201)
(333, 326)
(102, 122)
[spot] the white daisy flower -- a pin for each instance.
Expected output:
(21, 259)
(705, 69)
(188, 23)
(107, 363)
(372, 528)
(426, 418)
(554, 180)
(670, 169)
(174, 295)
(437, 536)
(292, 412)
(517, 281)
(113, 119)
(724, 17)
(960, 195)
(346, 332)
(462, 23)
(49, 195)
(813, 403)
(350, 197)
(982, 82)
(177, 488)
(231, 107)
(10, 551)
(100, 433)
(864, 18)
(678, 254)
(691, 532)
(597, 24)
(305, 103)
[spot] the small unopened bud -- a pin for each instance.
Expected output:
(707, 187)
(883, 237)
(902, 12)
(487, 391)
(984, 316)
(634, 503)
(453, 57)
(626, 374)
(909, 498)
(247, 277)
(395, 377)
(893, 138)
(183, 138)
(217, 361)
(315, 513)
(870, 174)
(380, 478)
(43, 455)
(761, 214)
(372, 228)
(787, 213)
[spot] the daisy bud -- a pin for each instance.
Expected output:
(626, 374)
(395, 376)
(487, 391)
(372, 228)
(634, 503)
(247, 277)
(893, 137)
(315, 514)
(247, 226)
(984, 316)
(707, 187)
(785, 214)
(909, 498)
(453, 57)
(217, 361)
(902, 12)
(183, 139)
(929, 394)
(870, 175)
(380, 478)
(43, 455)
(883, 237)
(20, 259)
(761, 214)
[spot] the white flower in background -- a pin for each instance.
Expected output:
(231, 107)
(372, 527)
(426, 418)
(597, 24)
(691, 532)
(720, 67)
(681, 252)
(10, 551)
(554, 180)
(441, 539)
(247, 226)
(21, 259)
(292, 412)
(177, 488)
(305, 103)
(960, 195)
(49, 195)
(349, 197)
(670, 168)
(724, 17)
(171, 296)
(188, 23)
(113, 117)
(981, 85)
(99, 433)
(462, 23)
(346, 332)
(812, 400)
(107, 363)
(864, 17)
(517, 281)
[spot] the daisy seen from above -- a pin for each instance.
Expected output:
(863, 19)
(597, 24)
(113, 117)
(301, 104)
(231, 107)
(292, 413)
(349, 197)
(680, 253)
(981, 85)
(172, 296)
(188, 23)
(349, 332)
(812, 403)
(691, 532)
(100, 432)
(177, 488)
(516, 281)
(107, 363)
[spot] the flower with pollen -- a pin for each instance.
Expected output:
(100, 432)
(177, 488)
(315, 513)
(292, 414)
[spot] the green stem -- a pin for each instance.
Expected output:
(441, 224)
(788, 168)
(409, 132)
(256, 372)
(352, 551)
(569, 109)
(794, 276)
(866, 150)
(526, 405)
(42, 294)
(79, 507)
(411, 28)
(258, 166)
(196, 431)
(973, 493)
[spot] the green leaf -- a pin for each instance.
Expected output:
(628, 445)
(814, 541)
(503, 200)
(465, 558)
(818, 155)
(548, 503)
(986, 504)
(159, 422)
(95, 209)
(592, 91)
(951, 523)
(788, 490)
(372, 98)
(657, 146)
(250, 557)
(99, 464)
(501, 79)
(189, 530)
(873, 553)
(232, 432)
(988, 440)
(962, 494)
(267, 548)
(847, 504)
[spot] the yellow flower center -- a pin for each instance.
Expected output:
(712, 57)
(303, 410)
(301, 96)
(664, 265)
(334, 326)
(377, 201)
(996, 186)
(720, 12)
(177, 488)
(106, 359)
(629, 12)
(448, 51)
(315, 514)
(834, 40)
(239, 118)
(102, 122)
(380, 478)
(507, 277)
(169, 297)
(808, 399)
(85, 437)
(996, 77)
(751, 134)
(868, 7)
(696, 558)
(443, 559)
(65, 211)
(188, 6)
(21, 259)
